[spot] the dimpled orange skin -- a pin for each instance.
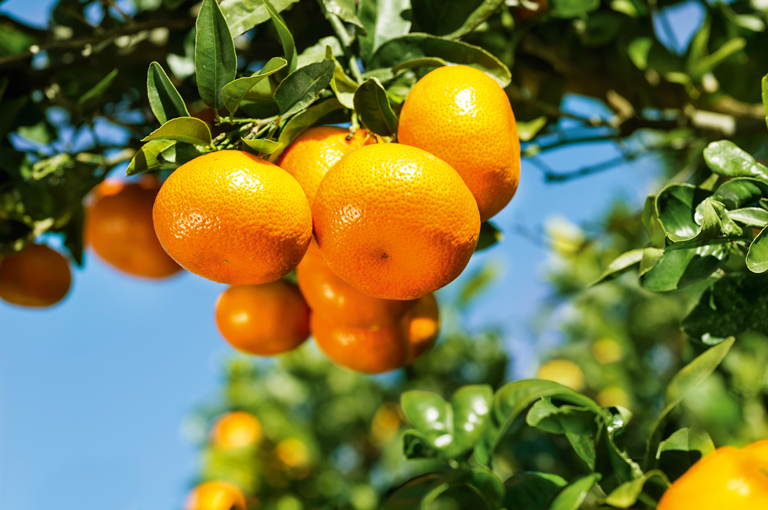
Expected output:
(215, 496)
(237, 429)
(394, 221)
(728, 478)
(233, 218)
(38, 277)
(337, 301)
(315, 151)
(377, 349)
(263, 319)
(462, 116)
(119, 229)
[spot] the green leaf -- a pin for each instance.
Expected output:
(764, 89)
(681, 450)
(487, 485)
(164, 100)
(578, 424)
(91, 98)
(383, 20)
(303, 121)
(490, 235)
(757, 256)
(243, 15)
(343, 86)
(726, 158)
(452, 19)
(286, 38)
(741, 192)
(234, 92)
(301, 87)
(372, 104)
(526, 131)
(512, 399)
(431, 415)
(418, 492)
(215, 59)
(620, 264)
(638, 50)
(318, 51)
(676, 205)
(752, 216)
(262, 146)
(685, 381)
(478, 16)
(415, 46)
(571, 497)
(345, 10)
(471, 410)
(531, 491)
(73, 234)
(624, 468)
(418, 63)
(710, 62)
(573, 8)
(676, 269)
(626, 494)
(184, 129)
(416, 446)
(148, 157)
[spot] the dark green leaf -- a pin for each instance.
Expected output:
(345, 10)
(73, 234)
(685, 381)
(481, 13)
(626, 494)
(741, 192)
(571, 497)
(343, 86)
(372, 105)
(301, 87)
(676, 205)
(490, 235)
(303, 121)
(681, 450)
(417, 63)
(215, 59)
(452, 18)
(764, 90)
(91, 98)
(573, 8)
(286, 38)
(416, 446)
(676, 269)
(415, 46)
(234, 92)
(624, 468)
(148, 157)
(531, 491)
(164, 99)
(620, 264)
(577, 423)
(243, 15)
(487, 485)
(418, 492)
(383, 20)
(184, 129)
(726, 158)
(757, 256)
(263, 146)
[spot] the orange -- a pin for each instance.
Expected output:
(215, 496)
(37, 277)
(562, 372)
(462, 116)
(233, 218)
(394, 221)
(119, 228)
(378, 349)
(337, 301)
(293, 453)
(315, 151)
(263, 319)
(237, 429)
(727, 478)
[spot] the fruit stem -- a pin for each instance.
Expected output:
(346, 42)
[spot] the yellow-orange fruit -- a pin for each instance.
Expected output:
(37, 277)
(337, 301)
(119, 229)
(215, 496)
(378, 349)
(394, 221)
(462, 116)
(315, 151)
(263, 319)
(562, 371)
(233, 218)
(237, 429)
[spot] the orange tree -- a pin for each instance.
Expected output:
(254, 75)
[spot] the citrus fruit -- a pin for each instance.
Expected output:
(462, 116)
(336, 300)
(37, 277)
(729, 478)
(215, 496)
(263, 319)
(377, 349)
(562, 372)
(237, 429)
(233, 218)
(293, 453)
(315, 151)
(119, 229)
(394, 221)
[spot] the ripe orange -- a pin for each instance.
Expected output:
(394, 221)
(562, 371)
(119, 228)
(462, 116)
(728, 478)
(378, 349)
(337, 301)
(233, 218)
(237, 429)
(313, 153)
(263, 319)
(37, 277)
(215, 496)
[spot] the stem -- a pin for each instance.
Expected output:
(346, 43)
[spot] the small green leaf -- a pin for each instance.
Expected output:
(573, 8)
(578, 424)
(372, 104)
(164, 100)
(526, 131)
(303, 121)
(243, 15)
(531, 491)
(215, 59)
(741, 192)
(471, 410)
(418, 63)
(148, 157)
(301, 87)
(286, 38)
(625, 469)
(262, 146)
(234, 92)
(676, 269)
(383, 20)
(726, 158)
(91, 98)
(681, 450)
(710, 62)
(183, 129)
(419, 492)
(345, 10)
(571, 497)
(620, 264)
(764, 89)
(416, 446)
(490, 235)
(757, 256)
(676, 205)
(752, 216)
(343, 86)
(626, 494)
(432, 417)
(488, 486)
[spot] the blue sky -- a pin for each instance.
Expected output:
(93, 391)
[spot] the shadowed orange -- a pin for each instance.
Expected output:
(215, 496)
(237, 429)
(38, 277)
